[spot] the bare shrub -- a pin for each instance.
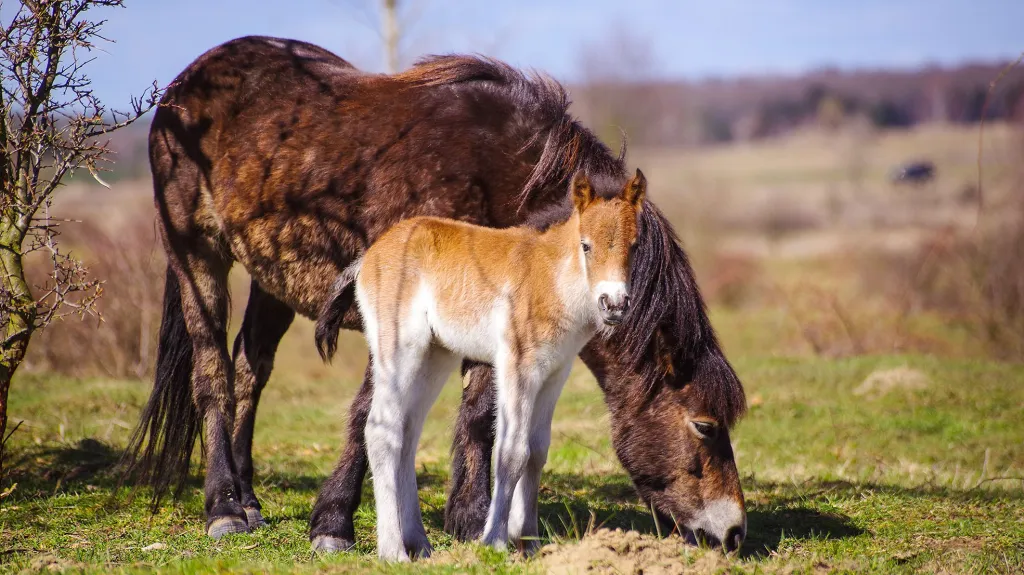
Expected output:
(730, 280)
(122, 341)
(979, 284)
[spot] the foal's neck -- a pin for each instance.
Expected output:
(564, 235)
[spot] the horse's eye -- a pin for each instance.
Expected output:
(704, 429)
(586, 247)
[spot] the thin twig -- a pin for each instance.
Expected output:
(11, 432)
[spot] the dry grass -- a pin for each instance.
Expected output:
(809, 241)
(801, 245)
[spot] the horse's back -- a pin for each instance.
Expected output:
(286, 159)
(238, 161)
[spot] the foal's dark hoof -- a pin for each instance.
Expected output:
(329, 544)
(254, 517)
(222, 526)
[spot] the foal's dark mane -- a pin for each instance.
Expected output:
(670, 319)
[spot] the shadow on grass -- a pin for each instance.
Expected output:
(47, 468)
(611, 502)
(767, 528)
(570, 503)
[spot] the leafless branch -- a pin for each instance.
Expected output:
(53, 124)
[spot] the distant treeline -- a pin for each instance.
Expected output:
(692, 113)
(685, 113)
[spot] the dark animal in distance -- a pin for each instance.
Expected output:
(917, 172)
(281, 156)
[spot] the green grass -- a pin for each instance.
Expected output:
(903, 481)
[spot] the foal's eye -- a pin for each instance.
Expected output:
(705, 429)
(586, 247)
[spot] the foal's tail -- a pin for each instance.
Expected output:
(160, 449)
(332, 314)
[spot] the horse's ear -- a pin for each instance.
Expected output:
(582, 191)
(636, 189)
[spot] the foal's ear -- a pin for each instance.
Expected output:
(582, 191)
(636, 189)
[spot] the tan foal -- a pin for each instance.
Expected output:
(433, 291)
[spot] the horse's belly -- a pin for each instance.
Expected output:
(302, 282)
(295, 262)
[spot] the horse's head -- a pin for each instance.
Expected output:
(608, 233)
(672, 395)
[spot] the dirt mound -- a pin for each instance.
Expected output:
(606, 551)
(883, 381)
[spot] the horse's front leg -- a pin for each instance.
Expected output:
(469, 492)
(517, 391)
(265, 323)
(523, 523)
(331, 526)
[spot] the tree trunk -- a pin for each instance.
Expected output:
(391, 35)
(16, 316)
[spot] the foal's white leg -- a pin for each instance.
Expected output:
(523, 520)
(437, 364)
(516, 394)
(400, 354)
(384, 437)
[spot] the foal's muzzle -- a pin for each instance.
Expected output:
(613, 307)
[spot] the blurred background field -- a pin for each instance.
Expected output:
(803, 245)
(877, 323)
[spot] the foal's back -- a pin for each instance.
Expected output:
(472, 282)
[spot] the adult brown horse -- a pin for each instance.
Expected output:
(281, 156)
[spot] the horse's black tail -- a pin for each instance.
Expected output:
(160, 449)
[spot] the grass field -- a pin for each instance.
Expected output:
(851, 461)
(874, 464)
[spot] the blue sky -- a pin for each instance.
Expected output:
(155, 39)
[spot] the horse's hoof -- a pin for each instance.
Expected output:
(466, 521)
(329, 544)
(221, 526)
(254, 517)
(419, 550)
(528, 547)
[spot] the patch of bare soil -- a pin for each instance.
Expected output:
(884, 381)
(607, 551)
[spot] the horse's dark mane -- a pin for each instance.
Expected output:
(567, 145)
(670, 316)
(604, 185)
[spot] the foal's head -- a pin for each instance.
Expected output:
(608, 232)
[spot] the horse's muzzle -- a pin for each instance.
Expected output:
(613, 307)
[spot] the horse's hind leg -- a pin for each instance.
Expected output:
(265, 323)
(408, 374)
(469, 494)
(203, 276)
(437, 365)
